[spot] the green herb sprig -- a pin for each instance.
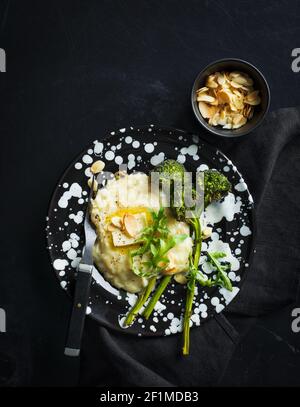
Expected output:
(155, 242)
(222, 278)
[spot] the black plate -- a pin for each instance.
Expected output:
(141, 148)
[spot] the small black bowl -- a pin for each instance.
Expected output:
(260, 83)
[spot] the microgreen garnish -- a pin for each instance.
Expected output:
(155, 241)
(222, 278)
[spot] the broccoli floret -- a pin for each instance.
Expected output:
(216, 186)
(170, 169)
(170, 173)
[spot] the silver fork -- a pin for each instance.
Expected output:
(83, 283)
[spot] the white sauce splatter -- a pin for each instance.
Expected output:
(202, 167)
(229, 207)
(87, 159)
(229, 295)
(74, 191)
(72, 254)
(181, 158)
(63, 284)
(109, 155)
(98, 148)
(78, 166)
(149, 148)
(241, 186)
(88, 172)
(136, 144)
(118, 160)
(66, 245)
(191, 150)
(245, 231)
(157, 159)
(159, 307)
(78, 218)
(60, 264)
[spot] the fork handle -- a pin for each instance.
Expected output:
(81, 297)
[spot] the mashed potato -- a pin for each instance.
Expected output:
(129, 196)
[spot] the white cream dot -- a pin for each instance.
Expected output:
(181, 158)
(136, 144)
(88, 172)
(245, 231)
(60, 264)
(215, 301)
(109, 155)
(98, 148)
(149, 148)
(118, 160)
(72, 254)
(78, 166)
(66, 245)
(87, 159)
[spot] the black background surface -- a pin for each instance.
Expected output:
(77, 70)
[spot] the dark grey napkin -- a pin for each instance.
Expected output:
(270, 162)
